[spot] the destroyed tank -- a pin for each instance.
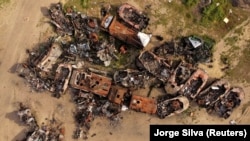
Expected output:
(173, 106)
(212, 93)
(225, 105)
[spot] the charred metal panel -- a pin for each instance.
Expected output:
(117, 94)
(155, 65)
(170, 107)
(133, 17)
(62, 77)
(212, 93)
(91, 82)
(143, 104)
(50, 58)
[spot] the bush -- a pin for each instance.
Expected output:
(85, 3)
(189, 3)
(214, 12)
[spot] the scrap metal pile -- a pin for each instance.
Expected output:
(51, 131)
(59, 64)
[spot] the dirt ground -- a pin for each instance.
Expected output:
(20, 29)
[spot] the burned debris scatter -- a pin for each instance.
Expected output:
(155, 65)
(50, 131)
(131, 78)
(60, 64)
(192, 48)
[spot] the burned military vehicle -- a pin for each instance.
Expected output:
(143, 104)
(173, 106)
(71, 22)
(194, 84)
(155, 65)
(194, 49)
(124, 33)
(26, 116)
(211, 94)
(117, 94)
(132, 16)
(62, 77)
(224, 106)
(90, 82)
(49, 60)
(131, 78)
(178, 78)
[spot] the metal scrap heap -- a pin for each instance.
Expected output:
(60, 64)
(52, 131)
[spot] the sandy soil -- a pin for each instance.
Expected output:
(21, 28)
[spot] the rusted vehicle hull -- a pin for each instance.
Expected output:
(225, 105)
(171, 107)
(143, 104)
(124, 33)
(194, 84)
(117, 94)
(155, 65)
(90, 82)
(212, 93)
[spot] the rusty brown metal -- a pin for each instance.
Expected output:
(116, 94)
(121, 31)
(90, 82)
(143, 104)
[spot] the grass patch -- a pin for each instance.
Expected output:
(245, 106)
(190, 3)
(215, 12)
(241, 71)
(2, 2)
(231, 40)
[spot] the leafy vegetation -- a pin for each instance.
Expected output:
(215, 12)
(85, 3)
(189, 3)
(2, 2)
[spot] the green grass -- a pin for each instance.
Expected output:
(241, 71)
(190, 3)
(2, 2)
